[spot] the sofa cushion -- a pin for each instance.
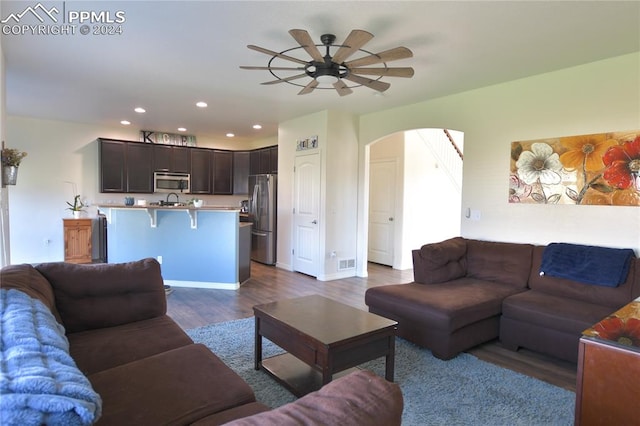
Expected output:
(104, 348)
(612, 298)
(440, 262)
(360, 398)
(553, 312)
(234, 413)
(176, 387)
(28, 280)
(448, 306)
(105, 295)
(505, 263)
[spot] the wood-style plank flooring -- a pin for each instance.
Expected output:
(192, 308)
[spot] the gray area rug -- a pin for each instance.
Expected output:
(462, 391)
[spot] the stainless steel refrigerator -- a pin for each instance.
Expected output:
(262, 213)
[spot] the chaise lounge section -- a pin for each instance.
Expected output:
(467, 292)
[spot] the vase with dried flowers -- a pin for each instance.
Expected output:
(10, 158)
(77, 206)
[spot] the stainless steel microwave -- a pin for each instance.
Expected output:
(171, 182)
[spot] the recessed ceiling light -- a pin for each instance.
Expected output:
(125, 122)
(201, 104)
(230, 135)
(257, 126)
(140, 110)
(182, 129)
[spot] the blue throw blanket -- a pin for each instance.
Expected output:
(587, 264)
(39, 381)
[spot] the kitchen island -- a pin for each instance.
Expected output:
(205, 247)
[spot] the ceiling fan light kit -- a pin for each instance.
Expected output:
(330, 72)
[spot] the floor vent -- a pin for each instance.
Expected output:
(346, 264)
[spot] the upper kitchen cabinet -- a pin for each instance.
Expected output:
(125, 166)
(201, 164)
(241, 161)
(222, 172)
(139, 167)
(169, 158)
(264, 160)
(112, 165)
(273, 159)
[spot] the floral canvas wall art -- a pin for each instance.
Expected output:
(597, 169)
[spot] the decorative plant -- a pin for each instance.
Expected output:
(77, 205)
(12, 157)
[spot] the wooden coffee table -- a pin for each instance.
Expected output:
(322, 338)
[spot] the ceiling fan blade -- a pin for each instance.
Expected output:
(279, 55)
(386, 56)
(355, 40)
(283, 80)
(342, 88)
(304, 40)
(309, 87)
(380, 86)
(244, 67)
(389, 72)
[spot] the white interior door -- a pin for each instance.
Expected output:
(382, 205)
(306, 214)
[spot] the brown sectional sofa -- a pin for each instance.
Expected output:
(147, 371)
(467, 292)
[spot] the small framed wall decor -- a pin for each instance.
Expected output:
(308, 143)
(596, 169)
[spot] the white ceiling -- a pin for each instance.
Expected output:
(174, 53)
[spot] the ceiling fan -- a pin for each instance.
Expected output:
(333, 70)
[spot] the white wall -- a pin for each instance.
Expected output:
(432, 202)
(338, 148)
(598, 97)
(61, 152)
(5, 248)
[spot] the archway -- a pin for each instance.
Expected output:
(423, 167)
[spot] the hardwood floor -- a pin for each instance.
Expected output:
(191, 307)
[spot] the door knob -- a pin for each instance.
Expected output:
(315, 222)
(390, 219)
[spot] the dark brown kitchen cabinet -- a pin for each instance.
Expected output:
(241, 162)
(273, 159)
(112, 165)
(139, 167)
(125, 166)
(201, 171)
(169, 158)
(222, 172)
(264, 160)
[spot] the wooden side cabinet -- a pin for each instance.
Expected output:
(608, 380)
(77, 240)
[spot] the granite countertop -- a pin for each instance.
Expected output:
(179, 207)
(622, 328)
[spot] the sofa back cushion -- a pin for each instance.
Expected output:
(440, 262)
(614, 297)
(28, 280)
(504, 263)
(94, 296)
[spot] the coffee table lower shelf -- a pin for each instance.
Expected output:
(296, 376)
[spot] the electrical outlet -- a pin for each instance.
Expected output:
(160, 260)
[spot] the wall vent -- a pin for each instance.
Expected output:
(346, 264)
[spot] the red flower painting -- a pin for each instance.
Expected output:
(623, 164)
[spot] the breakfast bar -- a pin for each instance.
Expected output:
(204, 247)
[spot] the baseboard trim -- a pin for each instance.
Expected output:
(203, 284)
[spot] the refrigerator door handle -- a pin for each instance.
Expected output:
(259, 234)
(254, 201)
